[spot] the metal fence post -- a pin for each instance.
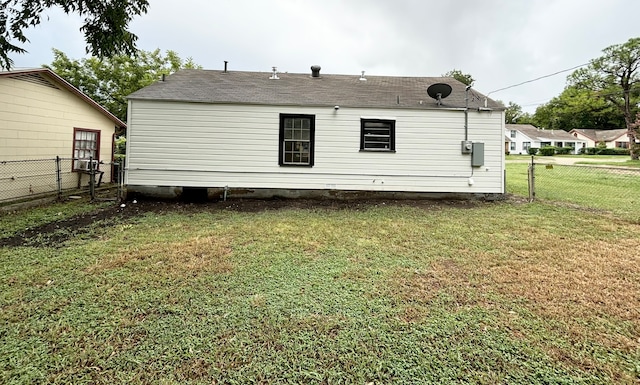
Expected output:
(92, 179)
(122, 175)
(532, 180)
(117, 166)
(58, 177)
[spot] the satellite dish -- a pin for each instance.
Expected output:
(439, 91)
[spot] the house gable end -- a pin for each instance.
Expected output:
(47, 78)
(36, 78)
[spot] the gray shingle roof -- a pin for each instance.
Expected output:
(539, 135)
(602, 135)
(209, 86)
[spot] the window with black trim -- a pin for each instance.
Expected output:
(377, 135)
(86, 145)
(297, 134)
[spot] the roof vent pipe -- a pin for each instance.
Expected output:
(225, 66)
(163, 76)
(274, 75)
(362, 76)
(315, 71)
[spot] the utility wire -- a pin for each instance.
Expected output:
(539, 78)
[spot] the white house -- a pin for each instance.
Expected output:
(521, 137)
(611, 138)
(265, 134)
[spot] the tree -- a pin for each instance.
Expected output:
(615, 77)
(577, 107)
(110, 80)
(513, 113)
(461, 77)
(105, 25)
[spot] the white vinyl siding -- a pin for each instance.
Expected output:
(206, 145)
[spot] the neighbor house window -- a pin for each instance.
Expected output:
(296, 139)
(513, 146)
(86, 145)
(622, 144)
(377, 135)
(526, 146)
(513, 133)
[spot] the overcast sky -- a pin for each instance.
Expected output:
(499, 42)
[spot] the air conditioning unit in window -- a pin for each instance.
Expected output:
(84, 164)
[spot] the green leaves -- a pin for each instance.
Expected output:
(460, 76)
(614, 77)
(105, 30)
(578, 107)
(108, 81)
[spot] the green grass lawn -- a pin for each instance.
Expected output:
(614, 160)
(379, 293)
(627, 163)
(612, 190)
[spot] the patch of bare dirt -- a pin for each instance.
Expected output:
(56, 233)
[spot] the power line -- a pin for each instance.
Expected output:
(539, 78)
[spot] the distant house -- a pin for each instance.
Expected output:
(611, 138)
(265, 134)
(524, 136)
(43, 116)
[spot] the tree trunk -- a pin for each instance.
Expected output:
(631, 132)
(633, 146)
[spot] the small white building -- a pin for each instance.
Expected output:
(617, 138)
(520, 137)
(265, 134)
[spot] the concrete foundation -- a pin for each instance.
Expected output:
(217, 193)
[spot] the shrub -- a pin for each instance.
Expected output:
(547, 150)
(591, 150)
(532, 150)
(564, 150)
(613, 151)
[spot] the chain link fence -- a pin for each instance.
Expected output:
(58, 177)
(608, 188)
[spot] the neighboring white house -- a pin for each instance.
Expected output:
(611, 138)
(524, 136)
(43, 116)
(261, 134)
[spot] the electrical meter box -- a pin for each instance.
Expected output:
(477, 154)
(467, 146)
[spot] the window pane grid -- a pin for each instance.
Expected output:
(296, 152)
(85, 145)
(297, 141)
